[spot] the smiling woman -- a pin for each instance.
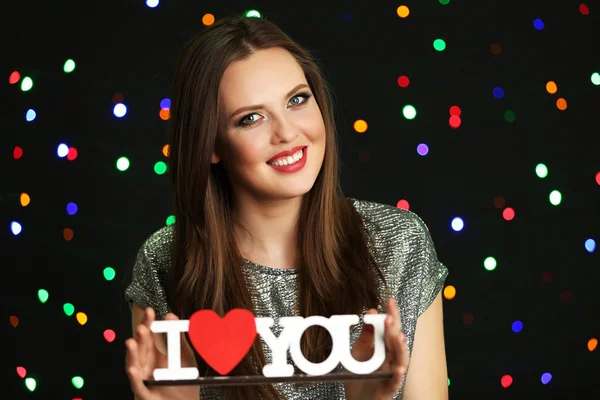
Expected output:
(263, 224)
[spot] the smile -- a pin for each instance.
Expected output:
(291, 163)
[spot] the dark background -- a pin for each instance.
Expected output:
(125, 47)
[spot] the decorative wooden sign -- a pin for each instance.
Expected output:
(224, 342)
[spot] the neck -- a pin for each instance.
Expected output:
(267, 231)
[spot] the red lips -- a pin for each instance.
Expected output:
(286, 153)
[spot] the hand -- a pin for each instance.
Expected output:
(147, 353)
(396, 358)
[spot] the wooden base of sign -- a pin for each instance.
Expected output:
(261, 380)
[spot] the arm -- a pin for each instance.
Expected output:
(427, 376)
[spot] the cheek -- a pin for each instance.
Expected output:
(313, 124)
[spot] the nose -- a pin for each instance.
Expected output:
(284, 131)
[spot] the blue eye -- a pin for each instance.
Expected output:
(304, 95)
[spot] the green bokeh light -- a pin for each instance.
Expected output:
(409, 112)
(26, 84)
(253, 14)
(69, 309)
(510, 116)
(555, 197)
(109, 273)
(69, 66)
(31, 384)
(77, 382)
(439, 45)
(541, 170)
(43, 295)
(160, 167)
(490, 263)
(122, 164)
(170, 220)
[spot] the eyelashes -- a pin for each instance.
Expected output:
(305, 95)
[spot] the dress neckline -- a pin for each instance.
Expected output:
(269, 270)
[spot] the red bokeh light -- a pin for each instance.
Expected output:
(508, 214)
(72, 154)
(403, 204)
(403, 81)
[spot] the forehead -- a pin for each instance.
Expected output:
(256, 79)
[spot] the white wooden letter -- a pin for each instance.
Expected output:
(173, 329)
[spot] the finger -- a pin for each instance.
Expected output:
(404, 358)
(137, 384)
(145, 345)
(149, 316)
(392, 309)
(131, 356)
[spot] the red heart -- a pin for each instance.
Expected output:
(222, 343)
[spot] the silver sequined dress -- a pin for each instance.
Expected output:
(402, 247)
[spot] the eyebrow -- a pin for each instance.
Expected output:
(253, 107)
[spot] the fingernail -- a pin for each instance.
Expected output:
(369, 328)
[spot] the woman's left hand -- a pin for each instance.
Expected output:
(396, 358)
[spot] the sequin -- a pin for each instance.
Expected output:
(401, 246)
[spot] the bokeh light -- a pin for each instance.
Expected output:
(22, 372)
(496, 49)
(120, 110)
(541, 170)
(165, 150)
(77, 382)
(69, 309)
(81, 318)
(454, 121)
(109, 273)
(122, 164)
(26, 84)
(170, 220)
(403, 11)
(25, 199)
(455, 110)
(253, 14)
(517, 326)
(555, 197)
(592, 344)
(538, 24)
(109, 335)
(43, 295)
(457, 224)
(508, 214)
(595, 78)
(403, 204)
(409, 111)
(403, 81)
(360, 126)
(208, 19)
(583, 9)
(18, 153)
(498, 92)
(15, 228)
(510, 116)
(449, 292)
(31, 384)
(152, 3)
(72, 154)
(506, 381)
(160, 168)
(62, 150)
(422, 149)
(490, 263)
(69, 66)
(439, 44)
(551, 87)
(68, 234)
(30, 115)
(546, 378)
(561, 104)
(14, 77)
(72, 208)
(590, 245)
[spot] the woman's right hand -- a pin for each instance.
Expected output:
(147, 352)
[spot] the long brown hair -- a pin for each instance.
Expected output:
(336, 272)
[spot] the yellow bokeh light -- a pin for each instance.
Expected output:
(449, 292)
(561, 104)
(551, 87)
(208, 19)
(165, 150)
(592, 343)
(25, 199)
(403, 11)
(360, 126)
(81, 318)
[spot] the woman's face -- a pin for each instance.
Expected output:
(279, 113)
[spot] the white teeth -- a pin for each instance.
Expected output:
(287, 160)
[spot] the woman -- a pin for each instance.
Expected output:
(262, 224)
